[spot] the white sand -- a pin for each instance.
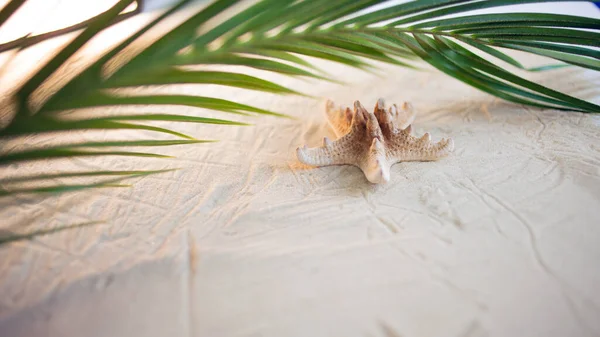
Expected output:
(499, 239)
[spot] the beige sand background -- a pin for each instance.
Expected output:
(500, 239)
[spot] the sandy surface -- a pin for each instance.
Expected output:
(499, 239)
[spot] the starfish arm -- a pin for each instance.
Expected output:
(385, 118)
(341, 152)
(375, 164)
(405, 147)
(339, 118)
(403, 116)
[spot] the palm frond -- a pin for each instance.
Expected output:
(6, 238)
(16, 185)
(274, 36)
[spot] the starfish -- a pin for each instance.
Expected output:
(373, 141)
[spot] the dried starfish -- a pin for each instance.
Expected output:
(373, 141)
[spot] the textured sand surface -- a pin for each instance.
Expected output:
(502, 238)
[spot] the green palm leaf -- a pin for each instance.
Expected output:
(9, 188)
(9, 9)
(6, 238)
(274, 36)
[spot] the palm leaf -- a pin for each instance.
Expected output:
(275, 36)
(6, 238)
(60, 188)
(9, 9)
(98, 99)
(79, 175)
